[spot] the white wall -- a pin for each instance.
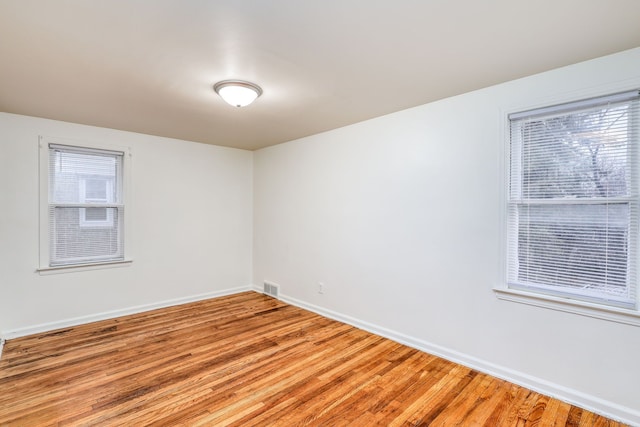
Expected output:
(191, 228)
(400, 218)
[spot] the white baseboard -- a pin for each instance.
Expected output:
(66, 323)
(574, 397)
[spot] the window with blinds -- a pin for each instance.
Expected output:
(573, 200)
(85, 206)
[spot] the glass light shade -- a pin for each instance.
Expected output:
(237, 93)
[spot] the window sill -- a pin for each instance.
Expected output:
(83, 267)
(613, 314)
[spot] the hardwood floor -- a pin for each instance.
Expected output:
(250, 360)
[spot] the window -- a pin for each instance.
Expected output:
(573, 206)
(96, 189)
(83, 205)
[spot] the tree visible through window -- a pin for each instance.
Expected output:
(573, 200)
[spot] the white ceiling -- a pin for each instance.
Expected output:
(149, 65)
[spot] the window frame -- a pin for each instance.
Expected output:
(44, 266)
(531, 297)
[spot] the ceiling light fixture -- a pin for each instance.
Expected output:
(237, 92)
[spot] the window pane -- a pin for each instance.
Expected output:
(573, 208)
(72, 243)
(574, 246)
(71, 172)
(96, 214)
(96, 189)
(583, 154)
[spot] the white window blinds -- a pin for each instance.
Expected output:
(85, 205)
(573, 200)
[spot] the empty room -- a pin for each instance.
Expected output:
(323, 213)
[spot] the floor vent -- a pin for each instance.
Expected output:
(271, 289)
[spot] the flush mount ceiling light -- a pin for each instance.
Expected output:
(237, 92)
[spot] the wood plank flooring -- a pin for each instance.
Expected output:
(250, 360)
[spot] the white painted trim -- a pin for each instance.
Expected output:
(574, 397)
(46, 327)
(598, 311)
(83, 267)
(503, 292)
(43, 190)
